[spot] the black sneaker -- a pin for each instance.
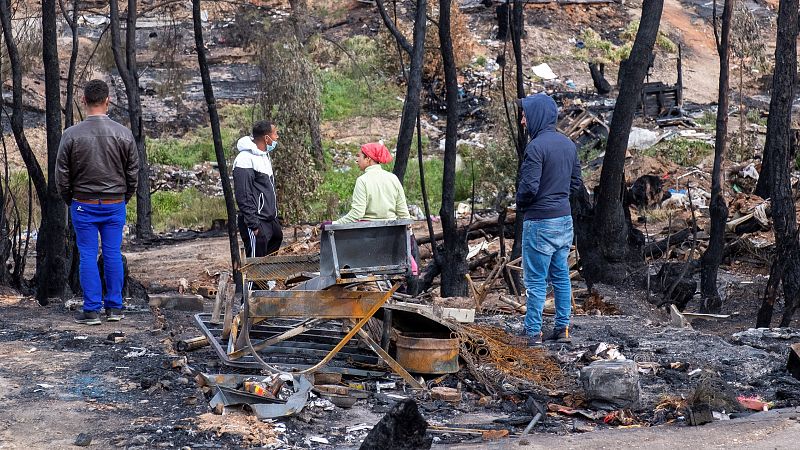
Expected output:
(87, 317)
(114, 314)
(560, 335)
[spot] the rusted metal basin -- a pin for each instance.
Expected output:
(421, 353)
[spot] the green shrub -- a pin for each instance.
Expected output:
(197, 145)
(685, 152)
(344, 96)
(188, 209)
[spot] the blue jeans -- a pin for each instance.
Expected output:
(545, 248)
(88, 221)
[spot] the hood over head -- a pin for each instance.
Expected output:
(541, 113)
(246, 144)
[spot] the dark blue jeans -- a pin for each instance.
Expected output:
(108, 220)
(545, 248)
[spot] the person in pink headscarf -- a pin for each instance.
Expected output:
(378, 194)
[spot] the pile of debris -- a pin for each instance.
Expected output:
(203, 177)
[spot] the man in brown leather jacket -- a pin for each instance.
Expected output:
(96, 174)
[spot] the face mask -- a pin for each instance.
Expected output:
(271, 147)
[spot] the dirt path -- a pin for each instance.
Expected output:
(700, 60)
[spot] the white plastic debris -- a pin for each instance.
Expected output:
(642, 138)
(544, 72)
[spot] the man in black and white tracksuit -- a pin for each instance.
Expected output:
(254, 186)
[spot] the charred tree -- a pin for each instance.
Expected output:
(452, 257)
(72, 256)
(128, 71)
(35, 172)
(610, 246)
(712, 257)
(51, 275)
(597, 71)
(411, 105)
(502, 11)
(213, 115)
(69, 99)
(517, 30)
(777, 154)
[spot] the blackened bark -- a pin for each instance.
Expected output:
(712, 257)
(764, 317)
(72, 256)
(597, 71)
(414, 87)
(517, 29)
(777, 151)
(453, 255)
(35, 172)
(73, 61)
(609, 248)
(128, 71)
(398, 36)
(503, 25)
(208, 91)
(51, 275)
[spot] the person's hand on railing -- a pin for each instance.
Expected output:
(324, 224)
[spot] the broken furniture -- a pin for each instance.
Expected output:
(319, 322)
(663, 100)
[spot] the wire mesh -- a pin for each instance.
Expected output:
(279, 267)
(497, 360)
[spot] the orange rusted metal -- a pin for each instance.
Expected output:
(326, 304)
(426, 354)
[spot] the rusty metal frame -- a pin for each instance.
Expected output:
(218, 346)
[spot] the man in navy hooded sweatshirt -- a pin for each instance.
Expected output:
(550, 172)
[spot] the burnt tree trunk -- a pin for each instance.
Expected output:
(51, 276)
(35, 172)
(72, 256)
(502, 11)
(609, 248)
(411, 105)
(219, 150)
(128, 71)
(712, 257)
(517, 29)
(777, 154)
(453, 255)
(69, 100)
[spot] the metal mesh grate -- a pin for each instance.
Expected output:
(279, 267)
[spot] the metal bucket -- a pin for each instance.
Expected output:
(420, 353)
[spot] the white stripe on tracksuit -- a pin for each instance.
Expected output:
(252, 253)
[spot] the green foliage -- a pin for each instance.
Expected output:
(197, 145)
(662, 40)
(597, 49)
(18, 185)
(187, 209)
(600, 50)
(291, 98)
(356, 85)
(344, 97)
(708, 120)
(754, 116)
(685, 152)
(480, 61)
